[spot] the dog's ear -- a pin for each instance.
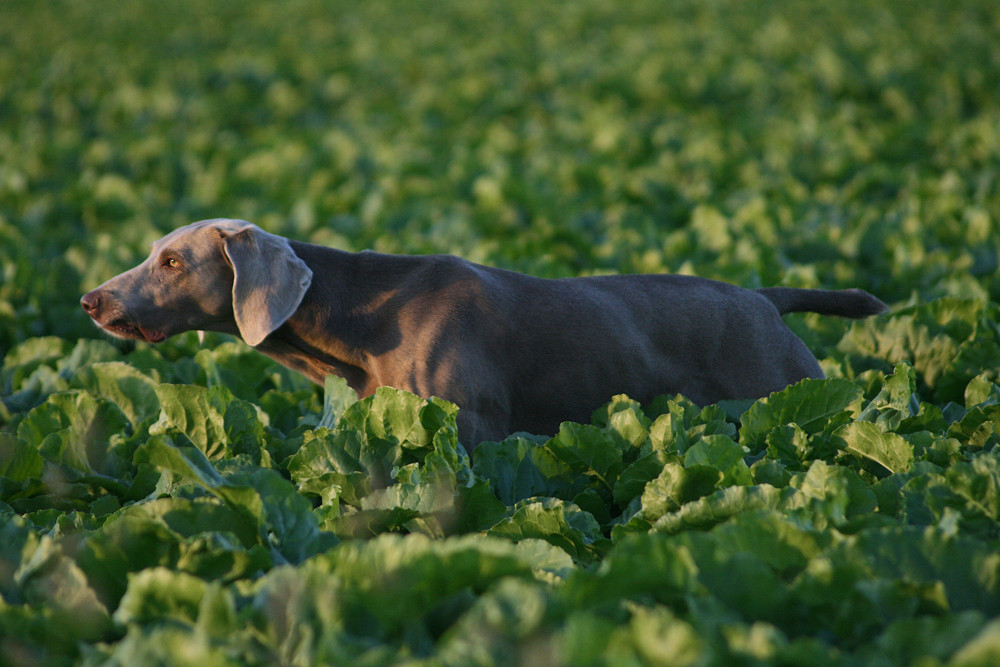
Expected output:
(269, 280)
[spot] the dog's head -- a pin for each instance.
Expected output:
(218, 275)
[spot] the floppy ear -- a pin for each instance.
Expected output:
(269, 281)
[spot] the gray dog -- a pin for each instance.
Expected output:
(514, 352)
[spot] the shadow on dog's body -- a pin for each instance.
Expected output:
(516, 353)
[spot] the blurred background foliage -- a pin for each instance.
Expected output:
(818, 144)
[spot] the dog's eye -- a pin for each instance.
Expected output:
(171, 263)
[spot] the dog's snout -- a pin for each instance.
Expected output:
(91, 302)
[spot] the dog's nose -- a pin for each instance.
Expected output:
(91, 302)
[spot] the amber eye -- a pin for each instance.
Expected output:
(171, 263)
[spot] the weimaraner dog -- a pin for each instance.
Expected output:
(514, 352)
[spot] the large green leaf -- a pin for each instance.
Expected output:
(555, 521)
(19, 461)
(335, 465)
(521, 466)
(722, 454)
(503, 621)
(74, 429)
(666, 575)
(158, 594)
(398, 419)
(979, 482)
(133, 392)
(387, 588)
(677, 485)
(868, 441)
(287, 522)
(197, 412)
(588, 451)
(21, 361)
(813, 405)
(719, 507)
(284, 519)
(17, 543)
(835, 493)
(895, 402)
(337, 397)
(634, 478)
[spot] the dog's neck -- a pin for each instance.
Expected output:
(346, 319)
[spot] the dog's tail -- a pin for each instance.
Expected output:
(853, 303)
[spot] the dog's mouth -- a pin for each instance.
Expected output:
(124, 329)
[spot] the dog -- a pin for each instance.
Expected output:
(514, 352)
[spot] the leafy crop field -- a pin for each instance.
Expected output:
(195, 504)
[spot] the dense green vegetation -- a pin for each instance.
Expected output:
(197, 504)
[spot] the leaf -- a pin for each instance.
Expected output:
(667, 574)
(979, 428)
(198, 413)
(367, 523)
(338, 465)
(978, 480)
(720, 506)
(393, 418)
(623, 419)
(74, 429)
(18, 461)
(966, 571)
(284, 519)
(287, 410)
(52, 580)
(813, 405)
(558, 522)
(521, 466)
(976, 354)
(741, 580)
(588, 451)
(244, 424)
(337, 397)
(676, 486)
(192, 517)
(126, 543)
(158, 594)
(501, 621)
(424, 499)
(908, 640)
(669, 431)
(634, 478)
(789, 444)
(721, 453)
(896, 401)
(85, 353)
(187, 463)
(947, 340)
(288, 521)
(21, 360)
(219, 555)
(981, 391)
(982, 650)
(172, 645)
(394, 581)
(480, 509)
(868, 441)
(660, 637)
(235, 366)
(834, 492)
(17, 543)
(123, 385)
